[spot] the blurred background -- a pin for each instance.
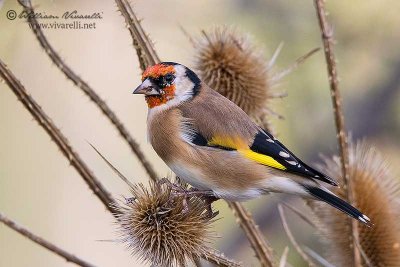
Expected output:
(40, 190)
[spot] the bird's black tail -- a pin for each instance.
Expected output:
(338, 203)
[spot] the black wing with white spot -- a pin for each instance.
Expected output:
(264, 143)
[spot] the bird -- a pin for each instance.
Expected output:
(213, 145)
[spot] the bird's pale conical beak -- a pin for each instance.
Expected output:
(146, 88)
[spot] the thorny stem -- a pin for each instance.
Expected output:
(144, 48)
(61, 141)
(81, 84)
(42, 242)
(219, 259)
(147, 55)
(327, 39)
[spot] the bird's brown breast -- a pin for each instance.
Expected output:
(163, 131)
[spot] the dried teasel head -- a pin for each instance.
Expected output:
(160, 229)
(230, 64)
(377, 194)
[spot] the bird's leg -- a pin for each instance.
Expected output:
(169, 184)
(207, 195)
(177, 191)
(174, 187)
(186, 195)
(208, 201)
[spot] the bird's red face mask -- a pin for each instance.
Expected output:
(157, 84)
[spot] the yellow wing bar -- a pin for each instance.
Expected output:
(228, 142)
(262, 159)
(241, 147)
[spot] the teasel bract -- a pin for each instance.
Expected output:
(229, 63)
(159, 228)
(377, 193)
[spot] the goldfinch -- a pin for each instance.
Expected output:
(213, 145)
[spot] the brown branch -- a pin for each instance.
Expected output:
(61, 141)
(143, 45)
(81, 84)
(253, 233)
(219, 259)
(327, 39)
(292, 239)
(42, 242)
(147, 55)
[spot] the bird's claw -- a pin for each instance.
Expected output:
(207, 195)
(208, 201)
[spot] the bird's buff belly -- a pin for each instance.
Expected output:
(190, 175)
(197, 179)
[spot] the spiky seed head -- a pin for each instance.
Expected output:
(377, 194)
(157, 228)
(230, 64)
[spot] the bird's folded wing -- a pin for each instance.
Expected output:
(264, 143)
(264, 149)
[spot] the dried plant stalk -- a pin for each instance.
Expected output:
(377, 194)
(245, 220)
(219, 259)
(327, 39)
(81, 84)
(59, 139)
(42, 242)
(144, 47)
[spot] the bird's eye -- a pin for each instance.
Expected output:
(169, 78)
(165, 81)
